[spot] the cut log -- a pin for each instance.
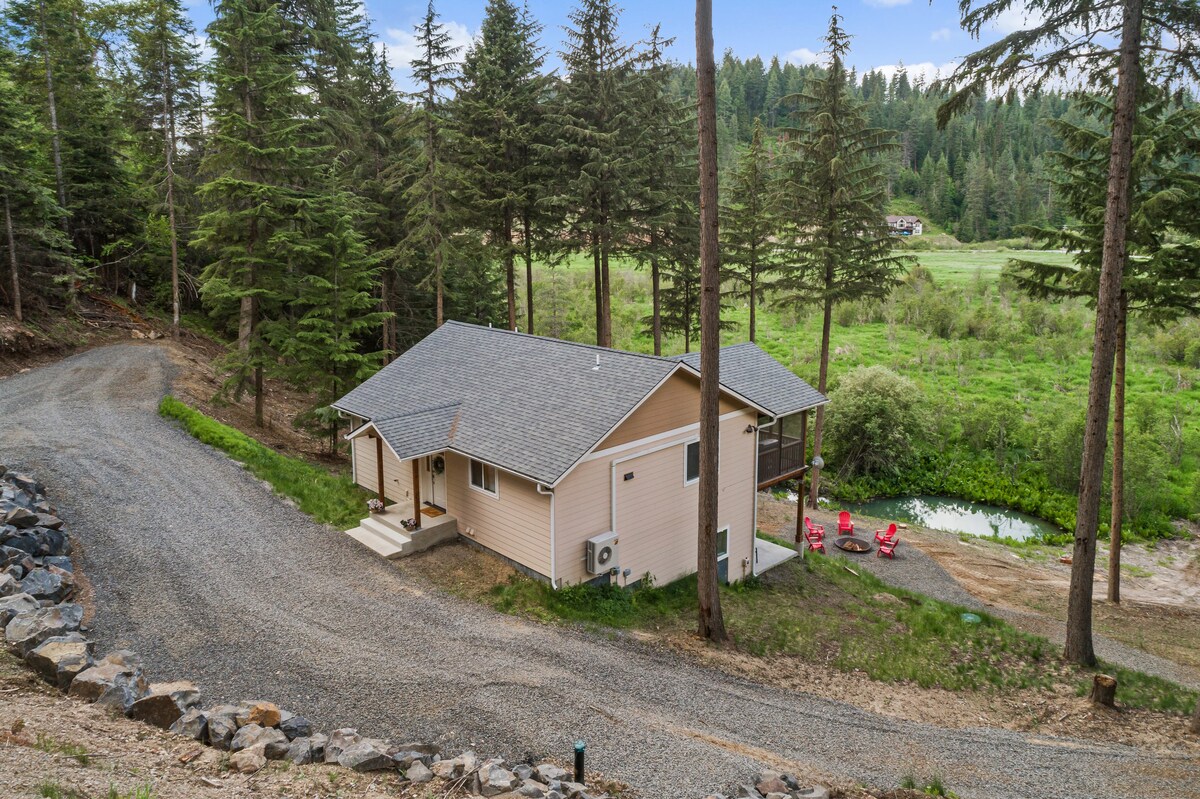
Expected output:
(1104, 690)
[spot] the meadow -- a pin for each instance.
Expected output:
(1005, 378)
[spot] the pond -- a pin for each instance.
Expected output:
(956, 516)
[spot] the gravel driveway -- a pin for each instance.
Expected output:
(200, 569)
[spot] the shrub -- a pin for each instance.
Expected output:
(877, 420)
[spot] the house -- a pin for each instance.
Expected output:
(573, 462)
(905, 225)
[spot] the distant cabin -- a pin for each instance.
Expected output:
(574, 463)
(905, 225)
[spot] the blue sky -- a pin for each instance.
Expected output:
(924, 35)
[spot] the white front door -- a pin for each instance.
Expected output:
(433, 481)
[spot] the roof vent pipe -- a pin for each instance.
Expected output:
(596, 368)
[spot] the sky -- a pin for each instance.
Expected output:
(924, 35)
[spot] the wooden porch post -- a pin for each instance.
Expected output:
(379, 465)
(417, 492)
(801, 543)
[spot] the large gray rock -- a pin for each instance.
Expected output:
(274, 743)
(116, 681)
(339, 740)
(310, 749)
(8, 585)
(494, 779)
(811, 792)
(27, 630)
(50, 521)
(58, 562)
(165, 702)
(248, 761)
(61, 658)
(192, 724)
(548, 771)
(532, 789)
(45, 584)
(294, 726)
(10, 606)
(26, 483)
(747, 792)
(418, 772)
(222, 724)
(365, 755)
(21, 518)
(447, 769)
(771, 782)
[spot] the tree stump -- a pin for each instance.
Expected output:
(1104, 690)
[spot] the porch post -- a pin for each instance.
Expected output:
(801, 542)
(416, 492)
(379, 465)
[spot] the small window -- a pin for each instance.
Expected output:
(483, 476)
(691, 462)
(723, 543)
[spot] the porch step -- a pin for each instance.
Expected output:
(380, 538)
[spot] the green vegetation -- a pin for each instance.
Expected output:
(328, 498)
(822, 612)
(52, 790)
(141, 792)
(55, 747)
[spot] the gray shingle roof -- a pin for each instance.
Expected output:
(527, 404)
(755, 375)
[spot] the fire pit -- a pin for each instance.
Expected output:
(851, 543)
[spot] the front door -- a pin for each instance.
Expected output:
(433, 481)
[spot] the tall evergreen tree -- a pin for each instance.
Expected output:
(832, 190)
(749, 226)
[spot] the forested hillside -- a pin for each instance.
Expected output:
(979, 178)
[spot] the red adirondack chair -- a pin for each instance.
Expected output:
(814, 535)
(845, 526)
(886, 535)
(888, 547)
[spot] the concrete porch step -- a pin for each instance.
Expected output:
(380, 538)
(383, 534)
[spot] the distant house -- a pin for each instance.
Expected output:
(905, 225)
(573, 462)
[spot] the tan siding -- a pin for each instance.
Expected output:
(515, 524)
(397, 475)
(656, 512)
(675, 404)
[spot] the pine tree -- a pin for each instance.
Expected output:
(593, 153)
(832, 189)
(749, 226)
(258, 157)
(496, 111)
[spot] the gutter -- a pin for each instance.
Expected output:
(546, 492)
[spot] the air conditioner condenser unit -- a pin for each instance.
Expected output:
(602, 553)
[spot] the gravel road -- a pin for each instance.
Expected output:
(199, 568)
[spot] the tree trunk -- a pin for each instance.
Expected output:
(1104, 690)
(388, 334)
(260, 419)
(55, 142)
(1078, 648)
(605, 293)
(1118, 458)
(598, 287)
(814, 487)
(441, 286)
(656, 304)
(12, 261)
(528, 273)
(169, 158)
(712, 624)
(753, 293)
(510, 275)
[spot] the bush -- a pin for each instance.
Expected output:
(877, 421)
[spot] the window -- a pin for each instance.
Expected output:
(691, 462)
(723, 543)
(483, 477)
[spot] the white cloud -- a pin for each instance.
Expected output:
(1016, 18)
(940, 35)
(927, 70)
(888, 3)
(403, 48)
(803, 57)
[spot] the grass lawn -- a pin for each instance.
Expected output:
(822, 613)
(329, 498)
(964, 266)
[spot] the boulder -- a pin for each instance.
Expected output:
(310, 749)
(59, 562)
(418, 772)
(12, 556)
(747, 792)
(50, 521)
(339, 740)
(44, 584)
(532, 789)
(26, 483)
(61, 658)
(26, 630)
(494, 779)
(8, 585)
(406, 757)
(222, 724)
(811, 792)
(294, 726)
(113, 682)
(10, 606)
(192, 724)
(273, 742)
(548, 771)
(523, 772)
(771, 782)
(165, 702)
(249, 760)
(21, 518)
(365, 755)
(447, 769)
(572, 790)
(264, 714)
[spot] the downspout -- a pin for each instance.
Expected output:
(541, 489)
(754, 530)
